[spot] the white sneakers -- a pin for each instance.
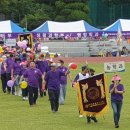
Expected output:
(80, 116)
(25, 98)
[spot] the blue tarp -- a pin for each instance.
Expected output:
(77, 26)
(9, 27)
(90, 28)
(122, 24)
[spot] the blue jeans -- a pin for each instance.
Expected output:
(116, 106)
(62, 93)
(16, 82)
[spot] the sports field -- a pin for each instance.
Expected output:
(16, 114)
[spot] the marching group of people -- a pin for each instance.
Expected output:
(40, 74)
(44, 75)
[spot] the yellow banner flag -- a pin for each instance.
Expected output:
(93, 95)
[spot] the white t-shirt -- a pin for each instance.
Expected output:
(81, 76)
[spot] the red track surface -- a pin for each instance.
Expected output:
(93, 59)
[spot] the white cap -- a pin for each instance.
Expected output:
(28, 49)
(53, 65)
(4, 57)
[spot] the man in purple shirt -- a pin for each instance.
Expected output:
(9, 62)
(52, 79)
(42, 65)
(63, 81)
(3, 76)
(116, 89)
(32, 74)
(15, 74)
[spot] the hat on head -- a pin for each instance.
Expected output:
(84, 67)
(28, 49)
(53, 64)
(4, 57)
(50, 60)
(116, 78)
(23, 63)
(61, 61)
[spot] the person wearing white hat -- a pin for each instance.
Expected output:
(52, 79)
(28, 49)
(4, 57)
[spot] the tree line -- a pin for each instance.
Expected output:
(32, 13)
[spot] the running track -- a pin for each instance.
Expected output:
(93, 59)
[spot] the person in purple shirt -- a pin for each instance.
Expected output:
(15, 74)
(52, 79)
(49, 62)
(63, 81)
(42, 65)
(33, 74)
(9, 61)
(48, 68)
(36, 47)
(116, 89)
(25, 90)
(3, 76)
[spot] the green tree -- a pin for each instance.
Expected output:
(71, 10)
(32, 13)
(28, 12)
(35, 20)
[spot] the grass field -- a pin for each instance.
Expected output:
(16, 114)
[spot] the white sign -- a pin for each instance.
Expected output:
(10, 42)
(114, 66)
(44, 49)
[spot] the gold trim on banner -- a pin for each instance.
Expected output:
(103, 94)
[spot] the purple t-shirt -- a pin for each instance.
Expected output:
(63, 79)
(3, 71)
(16, 68)
(117, 96)
(53, 79)
(22, 70)
(33, 76)
(10, 63)
(42, 65)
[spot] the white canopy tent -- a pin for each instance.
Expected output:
(77, 26)
(9, 27)
(122, 24)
